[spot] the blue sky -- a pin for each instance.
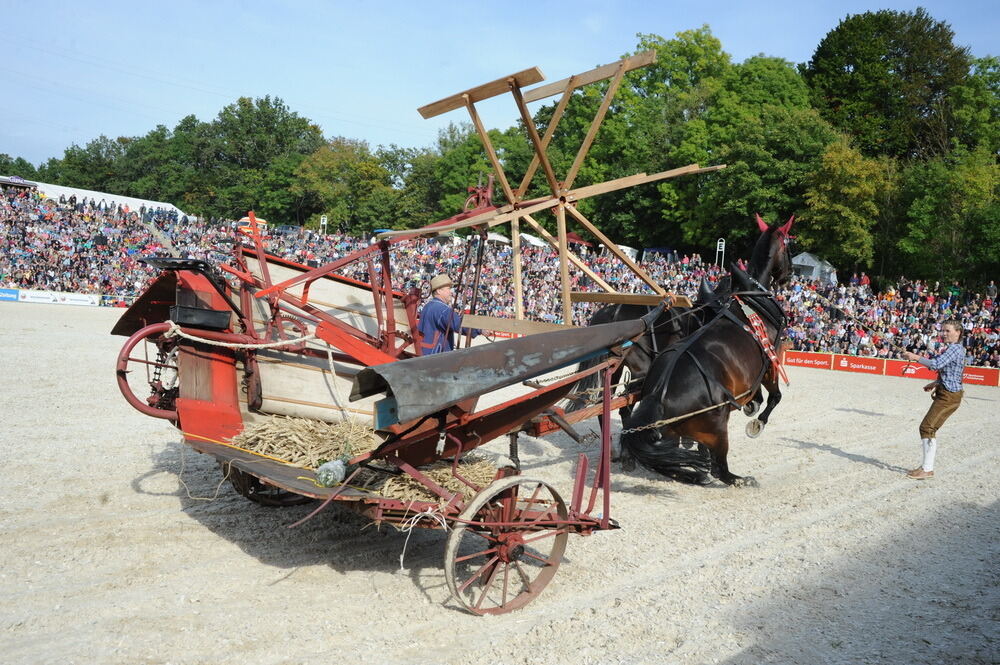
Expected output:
(72, 71)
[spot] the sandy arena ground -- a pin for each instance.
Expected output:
(836, 558)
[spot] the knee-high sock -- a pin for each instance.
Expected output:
(930, 447)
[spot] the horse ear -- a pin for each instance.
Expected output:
(788, 225)
(761, 224)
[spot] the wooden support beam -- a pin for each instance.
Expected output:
(613, 248)
(515, 240)
(557, 115)
(628, 298)
(595, 124)
(490, 152)
(637, 179)
(487, 219)
(567, 306)
(536, 141)
(524, 78)
(593, 76)
(509, 325)
(577, 261)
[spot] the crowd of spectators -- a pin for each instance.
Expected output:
(92, 246)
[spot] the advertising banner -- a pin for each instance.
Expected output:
(807, 359)
(909, 370)
(58, 298)
(859, 364)
(982, 376)
(8, 294)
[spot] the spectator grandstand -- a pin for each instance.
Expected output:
(86, 245)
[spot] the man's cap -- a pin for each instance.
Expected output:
(440, 281)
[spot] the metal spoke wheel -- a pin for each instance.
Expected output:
(252, 488)
(506, 545)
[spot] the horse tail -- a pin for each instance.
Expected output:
(673, 457)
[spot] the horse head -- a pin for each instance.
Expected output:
(771, 261)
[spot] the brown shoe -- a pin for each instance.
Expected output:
(919, 474)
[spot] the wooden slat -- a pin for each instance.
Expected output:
(488, 219)
(522, 327)
(614, 249)
(577, 261)
(490, 152)
(595, 124)
(627, 298)
(592, 76)
(485, 91)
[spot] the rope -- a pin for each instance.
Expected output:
(175, 331)
(667, 421)
(180, 477)
(431, 514)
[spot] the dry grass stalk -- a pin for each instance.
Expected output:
(303, 442)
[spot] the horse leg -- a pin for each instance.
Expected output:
(751, 407)
(716, 440)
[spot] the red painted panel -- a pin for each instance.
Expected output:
(859, 364)
(982, 376)
(807, 359)
(909, 370)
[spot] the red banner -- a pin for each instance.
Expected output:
(982, 376)
(859, 364)
(807, 359)
(909, 370)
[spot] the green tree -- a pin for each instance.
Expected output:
(349, 184)
(843, 206)
(884, 78)
(16, 166)
(951, 205)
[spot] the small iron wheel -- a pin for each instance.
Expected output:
(266, 495)
(504, 548)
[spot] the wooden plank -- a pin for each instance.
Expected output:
(523, 78)
(487, 219)
(595, 124)
(613, 248)
(567, 306)
(577, 261)
(498, 324)
(627, 298)
(592, 76)
(536, 142)
(515, 240)
(490, 152)
(624, 183)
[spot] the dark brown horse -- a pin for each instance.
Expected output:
(695, 383)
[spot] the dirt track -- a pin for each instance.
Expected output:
(836, 558)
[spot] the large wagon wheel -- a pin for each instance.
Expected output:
(249, 486)
(506, 545)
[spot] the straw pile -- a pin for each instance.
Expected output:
(306, 443)
(309, 443)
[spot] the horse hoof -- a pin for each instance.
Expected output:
(628, 463)
(754, 428)
(750, 409)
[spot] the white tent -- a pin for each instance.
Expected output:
(532, 240)
(134, 204)
(496, 237)
(811, 266)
